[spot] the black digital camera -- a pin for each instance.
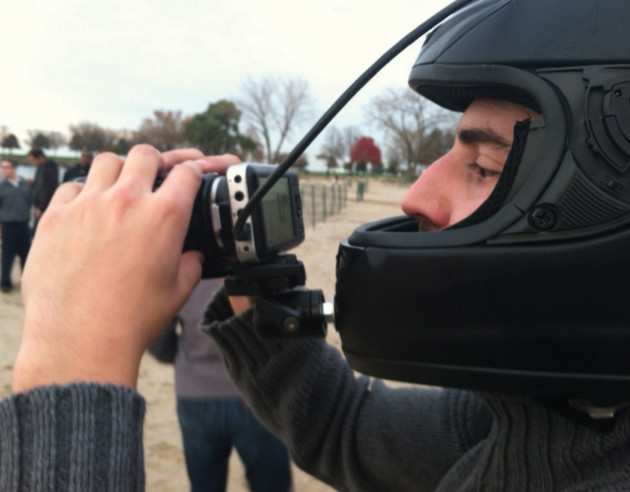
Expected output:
(275, 224)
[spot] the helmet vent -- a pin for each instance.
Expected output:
(584, 206)
(608, 117)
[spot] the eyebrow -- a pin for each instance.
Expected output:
(470, 136)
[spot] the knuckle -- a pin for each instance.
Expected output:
(144, 150)
(124, 195)
(171, 205)
(107, 156)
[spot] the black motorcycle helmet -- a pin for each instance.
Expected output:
(530, 294)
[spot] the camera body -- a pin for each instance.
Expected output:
(275, 224)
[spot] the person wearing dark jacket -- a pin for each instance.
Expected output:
(81, 168)
(45, 183)
(16, 199)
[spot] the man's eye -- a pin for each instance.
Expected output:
(482, 171)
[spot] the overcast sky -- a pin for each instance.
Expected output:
(114, 62)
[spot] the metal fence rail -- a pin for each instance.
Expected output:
(321, 201)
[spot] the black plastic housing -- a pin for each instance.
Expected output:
(543, 320)
(275, 224)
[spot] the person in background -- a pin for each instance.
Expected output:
(81, 168)
(45, 182)
(16, 199)
(213, 417)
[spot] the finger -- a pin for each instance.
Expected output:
(104, 172)
(184, 177)
(142, 165)
(181, 186)
(178, 156)
(218, 163)
(65, 193)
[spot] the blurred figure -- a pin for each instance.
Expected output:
(16, 199)
(45, 183)
(212, 415)
(81, 168)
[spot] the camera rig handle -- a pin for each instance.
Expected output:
(284, 310)
(273, 275)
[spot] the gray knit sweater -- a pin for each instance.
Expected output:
(352, 432)
(15, 201)
(357, 434)
(79, 437)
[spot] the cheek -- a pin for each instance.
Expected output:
(464, 209)
(472, 197)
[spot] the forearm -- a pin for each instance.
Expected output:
(75, 437)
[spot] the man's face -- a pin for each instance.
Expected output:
(36, 160)
(8, 171)
(455, 185)
(86, 159)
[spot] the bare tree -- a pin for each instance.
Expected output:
(300, 163)
(414, 125)
(56, 140)
(275, 106)
(350, 135)
(333, 149)
(257, 155)
(163, 131)
(90, 136)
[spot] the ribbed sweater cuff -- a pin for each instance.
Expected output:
(75, 437)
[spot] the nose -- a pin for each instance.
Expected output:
(430, 198)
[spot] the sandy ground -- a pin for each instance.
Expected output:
(164, 459)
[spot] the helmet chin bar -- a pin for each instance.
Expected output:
(541, 320)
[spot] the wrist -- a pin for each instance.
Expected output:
(35, 367)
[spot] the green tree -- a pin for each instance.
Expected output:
(121, 141)
(216, 130)
(38, 138)
(10, 142)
